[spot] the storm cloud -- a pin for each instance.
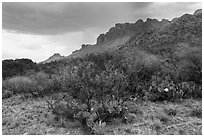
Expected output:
(57, 18)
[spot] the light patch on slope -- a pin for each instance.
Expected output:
(100, 48)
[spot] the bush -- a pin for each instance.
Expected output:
(38, 84)
(43, 83)
(63, 107)
(164, 88)
(99, 128)
(20, 84)
(48, 84)
(6, 94)
(93, 118)
(86, 82)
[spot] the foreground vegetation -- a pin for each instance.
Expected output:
(105, 94)
(33, 117)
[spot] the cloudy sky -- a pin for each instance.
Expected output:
(38, 30)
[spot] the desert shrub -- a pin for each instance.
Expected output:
(189, 63)
(190, 90)
(139, 69)
(63, 107)
(99, 128)
(190, 72)
(21, 84)
(161, 88)
(49, 84)
(6, 94)
(54, 84)
(93, 118)
(61, 82)
(39, 84)
(197, 92)
(164, 88)
(129, 118)
(101, 114)
(87, 82)
(42, 81)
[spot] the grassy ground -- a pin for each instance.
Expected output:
(31, 116)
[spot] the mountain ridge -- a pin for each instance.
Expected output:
(123, 33)
(54, 57)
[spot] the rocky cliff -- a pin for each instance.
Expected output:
(121, 30)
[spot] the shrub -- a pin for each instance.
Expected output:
(164, 88)
(197, 91)
(38, 84)
(129, 118)
(86, 83)
(190, 90)
(43, 83)
(93, 118)
(190, 64)
(6, 94)
(64, 107)
(99, 128)
(21, 84)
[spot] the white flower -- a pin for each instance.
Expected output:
(166, 89)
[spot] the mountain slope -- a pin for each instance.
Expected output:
(185, 29)
(119, 35)
(152, 36)
(54, 57)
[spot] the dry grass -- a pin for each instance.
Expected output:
(32, 117)
(22, 116)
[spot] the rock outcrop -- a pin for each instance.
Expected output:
(85, 45)
(54, 57)
(163, 41)
(121, 30)
(197, 12)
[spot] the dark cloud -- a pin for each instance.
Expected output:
(57, 18)
(63, 17)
